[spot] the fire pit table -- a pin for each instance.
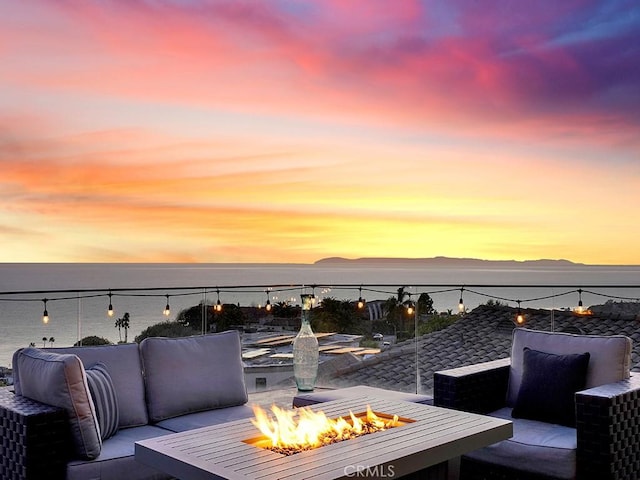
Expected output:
(429, 437)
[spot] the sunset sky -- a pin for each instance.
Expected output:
(289, 131)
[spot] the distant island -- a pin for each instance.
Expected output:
(448, 262)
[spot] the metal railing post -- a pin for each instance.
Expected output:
(79, 320)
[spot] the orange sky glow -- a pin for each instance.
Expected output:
(216, 131)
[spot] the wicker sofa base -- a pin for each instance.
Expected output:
(35, 439)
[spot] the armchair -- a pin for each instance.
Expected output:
(601, 441)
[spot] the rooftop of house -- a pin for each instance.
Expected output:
(482, 335)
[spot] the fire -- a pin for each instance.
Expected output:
(292, 431)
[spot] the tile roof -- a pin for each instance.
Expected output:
(482, 335)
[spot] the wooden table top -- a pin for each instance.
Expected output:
(219, 452)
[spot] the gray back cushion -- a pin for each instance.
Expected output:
(192, 374)
(125, 368)
(60, 380)
(610, 359)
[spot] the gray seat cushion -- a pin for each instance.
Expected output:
(116, 461)
(538, 447)
(610, 356)
(125, 368)
(192, 374)
(206, 418)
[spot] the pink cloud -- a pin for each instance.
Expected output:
(413, 63)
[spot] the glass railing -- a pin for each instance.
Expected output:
(395, 338)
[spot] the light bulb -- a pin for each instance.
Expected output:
(580, 307)
(519, 315)
(218, 305)
(110, 307)
(167, 308)
(45, 314)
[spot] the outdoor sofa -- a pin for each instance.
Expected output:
(77, 412)
(571, 420)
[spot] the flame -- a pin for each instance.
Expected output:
(303, 429)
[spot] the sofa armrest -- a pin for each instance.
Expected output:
(478, 388)
(608, 430)
(35, 438)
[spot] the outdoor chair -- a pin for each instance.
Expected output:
(574, 404)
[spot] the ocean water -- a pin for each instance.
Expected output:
(75, 313)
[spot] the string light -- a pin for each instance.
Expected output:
(218, 306)
(519, 315)
(167, 308)
(580, 307)
(520, 318)
(461, 302)
(45, 314)
(361, 301)
(110, 308)
(267, 305)
(410, 308)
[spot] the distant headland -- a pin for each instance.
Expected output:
(448, 262)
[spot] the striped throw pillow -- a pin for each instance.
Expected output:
(104, 399)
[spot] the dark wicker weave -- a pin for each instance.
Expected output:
(35, 441)
(476, 388)
(608, 425)
(607, 422)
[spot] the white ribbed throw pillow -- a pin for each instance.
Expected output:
(104, 399)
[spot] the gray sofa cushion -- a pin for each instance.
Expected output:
(539, 447)
(125, 368)
(116, 461)
(610, 356)
(192, 374)
(60, 380)
(206, 418)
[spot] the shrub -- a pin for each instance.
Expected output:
(435, 323)
(369, 343)
(92, 341)
(167, 329)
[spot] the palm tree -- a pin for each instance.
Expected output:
(51, 340)
(395, 308)
(123, 323)
(44, 342)
(118, 325)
